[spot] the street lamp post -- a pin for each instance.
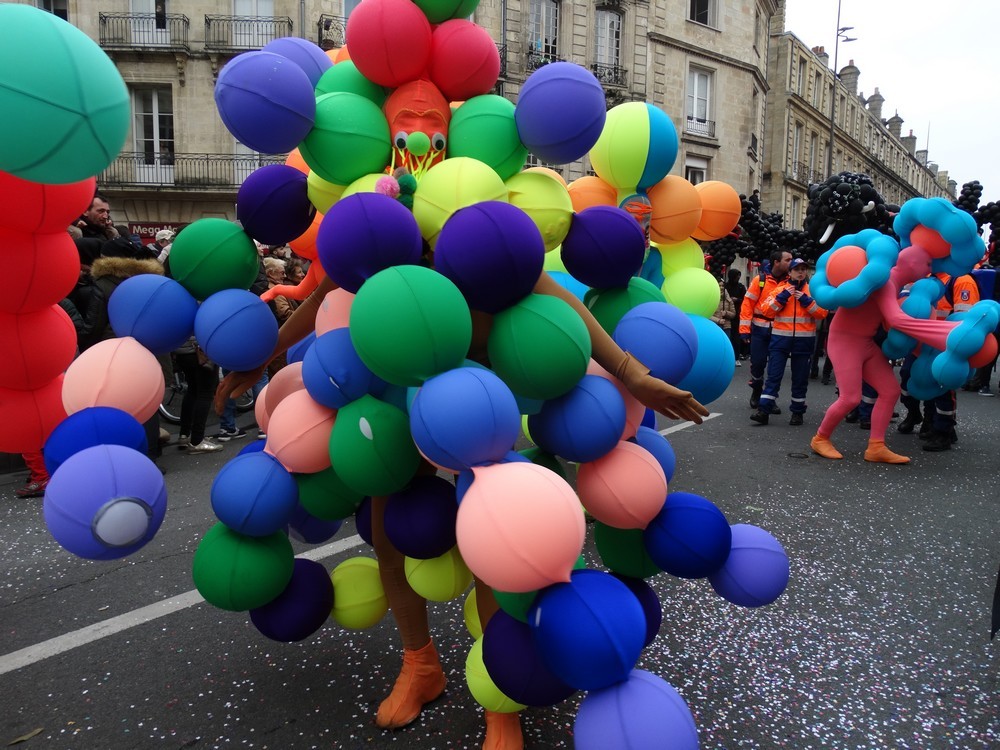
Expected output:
(841, 37)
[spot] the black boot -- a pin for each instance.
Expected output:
(756, 388)
(759, 417)
(925, 430)
(938, 441)
(911, 420)
(852, 416)
(796, 420)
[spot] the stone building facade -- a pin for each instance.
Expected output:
(802, 90)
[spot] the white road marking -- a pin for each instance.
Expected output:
(685, 425)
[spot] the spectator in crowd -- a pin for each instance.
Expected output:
(725, 314)
(161, 244)
(756, 319)
(96, 220)
(737, 291)
(295, 271)
(202, 376)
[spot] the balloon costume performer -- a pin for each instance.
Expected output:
(392, 384)
(861, 277)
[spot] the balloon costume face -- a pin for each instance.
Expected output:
(418, 117)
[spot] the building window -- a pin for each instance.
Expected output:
(699, 107)
(349, 6)
(818, 91)
(800, 83)
(153, 134)
(703, 11)
(55, 7)
(696, 169)
(796, 212)
(813, 149)
(609, 37)
(757, 28)
(797, 143)
(544, 28)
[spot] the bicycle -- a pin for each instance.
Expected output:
(175, 388)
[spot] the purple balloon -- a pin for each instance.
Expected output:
(560, 112)
(302, 52)
(301, 609)
(363, 520)
(660, 336)
(305, 527)
(756, 571)
(95, 425)
(266, 101)
(273, 205)
(420, 520)
(604, 248)
(363, 234)
(516, 667)
(493, 252)
(643, 711)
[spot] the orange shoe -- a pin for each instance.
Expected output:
(824, 447)
(878, 453)
(420, 681)
(503, 731)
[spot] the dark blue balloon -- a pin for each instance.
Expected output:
(649, 602)
(756, 571)
(493, 252)
(334, 374)
(604, 248)
(420, 520)
(95, 425)
(649, 419)
(254, 446)
(254, 494)
(273, 204)
(689, 537)
(297, 351)
(583, 424)
(465, 477)
(659, 447)
(154, 310)
(363, 520)
(464, 417)
(589, 631)
(516, 667)
(305, 527)
(313, 61)
(660, 336)
(236, 329)
(301, 609)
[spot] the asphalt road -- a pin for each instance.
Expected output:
(880, 641)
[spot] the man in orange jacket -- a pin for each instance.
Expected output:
(756, 319)
(793, 334)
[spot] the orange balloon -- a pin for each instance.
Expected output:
(305, 244)
(294, 159)
(929, 239)
(676, 211)
(550, 172)
(720, 210)
(987, 354)
(591, 191)
(342, 54)
(334, 311)
(845, 264)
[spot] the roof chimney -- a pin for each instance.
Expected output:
(821, 53)
(909, 143)
(875, 102)
(849, 75)
(895, 125)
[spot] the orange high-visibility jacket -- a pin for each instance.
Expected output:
(964, 294)
(793, 318)
(753, 310)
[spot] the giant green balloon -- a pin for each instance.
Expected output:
(438, 11)
(540, 347)
(371, 448)
(65, 108)
(211, 255)
(345, 76)
(693, 290)
(623, 551)
(409, 323)
(325, 495)
(608, 306)
(237, 572)
(350, 138)
(483, 128)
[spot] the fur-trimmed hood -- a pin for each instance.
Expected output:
(124, 268)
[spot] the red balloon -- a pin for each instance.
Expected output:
(44, 208)
(47, 266)
(464, 60)
(35, 347)
(29, 416)
(390, 41)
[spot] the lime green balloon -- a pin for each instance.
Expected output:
(345, 77)
(622, 551)
(620, 154)
(546, 200)
(371, 448)
(359, 600)
(684, 254)
(350, 138)
(322, 194)
(693, 290)
(443, 10)
(325, 495)
(364, 184)
(450, 185)
(470, 612)
(540, 347)
(211, 255)
(409, 323)
(608, 306)
(481, 685)
(483, 128)
(65, 107)
(438, 579)
(554, 262)
(237, 572)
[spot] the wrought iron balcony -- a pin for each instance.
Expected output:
(537, 59)
(700, 126)
(216, 172)
(752, 148)
(806, 174)
(610, 75)
(332, 31)
(143, 31)
(238, 33)
(502, 49)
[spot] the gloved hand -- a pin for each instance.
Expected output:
(745, 338)
(805, 300)
(658, 394)
(783, 296)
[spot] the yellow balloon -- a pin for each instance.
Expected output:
(481, 685)
(693, 290)
(470, 610)
(322, 194)
(546, 200)
(359, 600)
(554, 262)
(679, 255)
(450, 185)
(365, 184)
(439, 579)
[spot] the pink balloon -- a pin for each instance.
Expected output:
(29, 416)
(624, 488)
(334, 311)
(120, 373)
(634, 408)
(36, 347)
(298, 433)
(287, 380)
(520, 527)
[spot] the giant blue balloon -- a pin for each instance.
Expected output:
(756, 571)
(254, 494)
(95, 425)
(659, 447)
(301, 609)
(581, 425)
(154, 310)
(714, 364)
(236, 329)
(689, 537)
(334, 374)
(273, 204)
(420, 520)
(660, 336)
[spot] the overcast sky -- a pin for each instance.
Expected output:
(936, 63)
